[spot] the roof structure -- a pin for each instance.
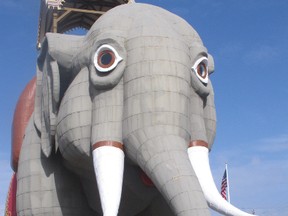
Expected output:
(61, 16)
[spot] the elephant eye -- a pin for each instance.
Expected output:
(106, 58)
(200, 68)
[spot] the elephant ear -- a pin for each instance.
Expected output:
(54, 73)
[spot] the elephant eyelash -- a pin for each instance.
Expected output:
(106, 58)
(200, 68)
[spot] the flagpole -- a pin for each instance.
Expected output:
(228, 185)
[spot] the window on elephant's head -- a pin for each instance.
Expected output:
(77, 31)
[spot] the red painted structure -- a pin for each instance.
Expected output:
(22, 114)
(11, 198)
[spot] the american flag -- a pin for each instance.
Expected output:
(224, 186)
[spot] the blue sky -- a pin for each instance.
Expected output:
(249, 42)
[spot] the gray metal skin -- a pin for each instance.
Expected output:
(151, 102)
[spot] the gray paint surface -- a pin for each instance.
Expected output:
(151, 102)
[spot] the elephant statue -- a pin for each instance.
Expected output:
(123, 122)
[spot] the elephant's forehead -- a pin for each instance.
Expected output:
(141, 20)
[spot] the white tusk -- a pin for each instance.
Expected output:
(109, 166)
(199, 159)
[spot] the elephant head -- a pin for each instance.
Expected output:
(138, 83)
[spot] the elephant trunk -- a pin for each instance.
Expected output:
(164, 159)
(198, 155)
(107, 147)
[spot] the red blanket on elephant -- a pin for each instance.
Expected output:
(11, 198)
